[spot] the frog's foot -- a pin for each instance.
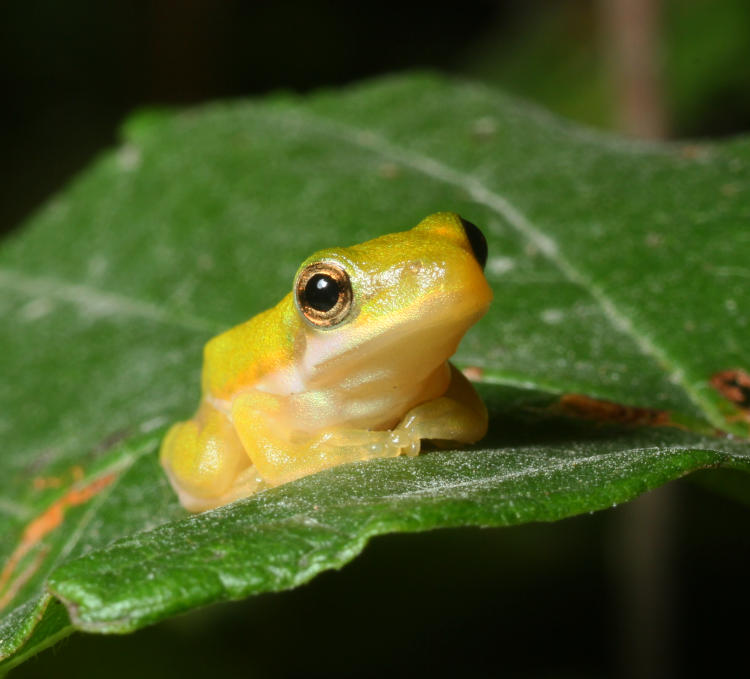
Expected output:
(281, 454)
(354, 445)
(459, 415)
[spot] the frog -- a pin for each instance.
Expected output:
(351, 365)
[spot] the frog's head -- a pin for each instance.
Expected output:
(398, 304)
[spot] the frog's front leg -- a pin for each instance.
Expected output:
(281, 453)
(458, 415)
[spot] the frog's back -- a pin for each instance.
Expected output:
(245, 354)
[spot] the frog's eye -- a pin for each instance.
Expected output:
(477, 241)
(324, 294)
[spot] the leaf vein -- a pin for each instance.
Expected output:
(98, 302)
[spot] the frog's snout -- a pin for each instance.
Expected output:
(477, 241)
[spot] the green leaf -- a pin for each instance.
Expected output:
(618, 330)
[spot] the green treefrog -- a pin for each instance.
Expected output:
(351, 365)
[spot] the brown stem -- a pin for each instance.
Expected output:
(631, 34)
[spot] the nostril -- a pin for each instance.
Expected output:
(477, 241)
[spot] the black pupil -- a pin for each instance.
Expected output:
(322, 292)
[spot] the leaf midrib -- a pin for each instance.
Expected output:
(100, 301)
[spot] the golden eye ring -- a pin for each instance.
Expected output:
(323, 294)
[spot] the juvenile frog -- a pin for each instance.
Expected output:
(350, 365)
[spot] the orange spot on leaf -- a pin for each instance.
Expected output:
(587, 408)
(734, 385)
(43, 482)
(37, 529)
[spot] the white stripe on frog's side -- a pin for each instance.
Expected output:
(282, 382)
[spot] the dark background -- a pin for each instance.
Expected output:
(71, 71)
(652, 589)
